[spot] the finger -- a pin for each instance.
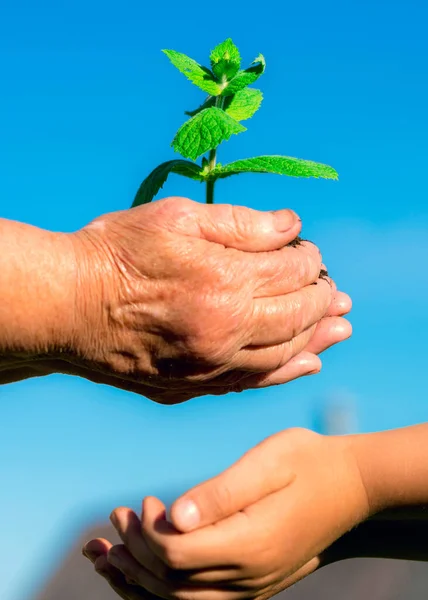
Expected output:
(135, 570)
(262, 360)
(95, 548)
(118, 583)
(279, 319)
(231, 226)
(252, 477)
(140, 575)
(161, 588)
(163, 540)
(329, 331)
(302, 365)
(324, 274)
(262, 249)
(167, 543)
(213, 547)
(341, 305)
(97, 552)
(129, 528)
(282, 271)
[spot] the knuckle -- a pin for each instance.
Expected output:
(295, 316)
(242, 218)
(221, 498)
(285, 353)
(310, 263)
(313, 303)
(163, 208)
(313, 248)
(301, 438)
(322, 295)
(175, 204)
(174, 211)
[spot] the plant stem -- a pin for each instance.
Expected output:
(210, 192)
(212, 157)
(210, 183)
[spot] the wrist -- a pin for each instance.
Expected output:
(37, 281)
(370, 468)
(96, 294)
(393, 466)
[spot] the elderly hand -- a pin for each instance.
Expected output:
(177, 299)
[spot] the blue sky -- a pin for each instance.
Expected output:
(88, 105)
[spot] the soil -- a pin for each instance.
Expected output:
(296, 242)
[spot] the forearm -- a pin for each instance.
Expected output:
(394, 467)
(37, 283)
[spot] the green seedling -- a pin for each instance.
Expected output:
(230, 101)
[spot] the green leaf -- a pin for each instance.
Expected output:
(281, 165)
(204, 132)
(200, 76)
(244, 78)
(244, 104)
(240, 106)
(155, 181)
(210, 101)
(225, 60)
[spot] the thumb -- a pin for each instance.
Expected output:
(261, 471)
(236, 227)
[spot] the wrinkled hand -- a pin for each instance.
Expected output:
(177, 299)
(261, 525)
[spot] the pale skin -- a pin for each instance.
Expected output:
(289, 506)
(170, 300)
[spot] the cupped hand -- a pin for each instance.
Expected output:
(331, 330)
(250, 532)
(177, 299)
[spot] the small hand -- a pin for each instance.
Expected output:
(252, 531)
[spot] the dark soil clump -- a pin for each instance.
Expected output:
(296, 242)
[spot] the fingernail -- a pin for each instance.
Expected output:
(187, 515)
(284, 219)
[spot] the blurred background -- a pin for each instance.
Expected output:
(88, 106)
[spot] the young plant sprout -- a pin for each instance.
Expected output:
(230, 100)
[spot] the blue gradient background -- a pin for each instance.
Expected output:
(88, 105)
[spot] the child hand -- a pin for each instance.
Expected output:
(281, 505)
